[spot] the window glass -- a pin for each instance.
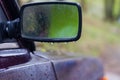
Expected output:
(2, 15)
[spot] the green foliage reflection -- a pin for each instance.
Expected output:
(64, 21)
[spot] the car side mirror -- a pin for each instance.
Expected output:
(51, 21)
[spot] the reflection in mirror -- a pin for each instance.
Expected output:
(50, 21)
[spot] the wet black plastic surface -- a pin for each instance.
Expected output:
(13, 57)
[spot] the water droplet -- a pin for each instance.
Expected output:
(65, 43)
(74, 42)
(51, 43)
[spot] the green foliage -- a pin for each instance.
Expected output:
(117, 8)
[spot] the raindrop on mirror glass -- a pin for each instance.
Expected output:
(51, 43)
(74, 41)
(65, 43)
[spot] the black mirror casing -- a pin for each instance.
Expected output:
(42, 39)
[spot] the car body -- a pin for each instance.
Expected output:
(18, 63)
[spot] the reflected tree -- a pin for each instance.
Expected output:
(109, 9)
(36, 21)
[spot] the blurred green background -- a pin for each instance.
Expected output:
(100, 34)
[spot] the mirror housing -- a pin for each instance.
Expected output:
(51, 21)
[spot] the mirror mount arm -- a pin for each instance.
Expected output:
(13, 28)
(9, 29)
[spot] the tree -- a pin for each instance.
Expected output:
(83, 3)
(117, 9)
(109, 9)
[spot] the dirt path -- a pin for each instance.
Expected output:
(111, 59)
(112, 76)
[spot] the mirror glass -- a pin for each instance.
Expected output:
(50, 21)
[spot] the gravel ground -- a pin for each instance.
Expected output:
(111, 61)
(112, 76)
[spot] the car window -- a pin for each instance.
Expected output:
(2, 15)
